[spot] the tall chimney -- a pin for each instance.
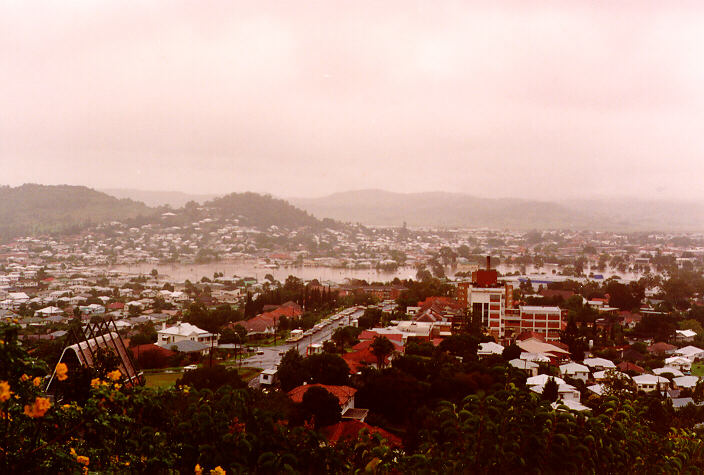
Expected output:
(488, 262)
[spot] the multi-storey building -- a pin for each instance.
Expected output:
(493, 301)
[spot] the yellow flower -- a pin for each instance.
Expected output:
(115, 375)
(117, 386)
(24, 377)
(37, 381)
(4, 391)
(83, 460)
(217, 471)
(95, 382)
(66, 406)
(61, 371)
(38, 408)
(73, 452)
(198, 470)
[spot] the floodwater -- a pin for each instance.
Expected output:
(194, 272)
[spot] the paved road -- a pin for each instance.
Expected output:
(272, 355)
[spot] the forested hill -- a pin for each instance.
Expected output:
(253, 209)
(42, 209)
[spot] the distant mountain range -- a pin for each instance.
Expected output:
(383, 208)
(175, 199)
(40, 209)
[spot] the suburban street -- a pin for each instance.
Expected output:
(272, 355)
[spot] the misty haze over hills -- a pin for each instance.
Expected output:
(175, 199)
(443, 209)
(377, 207)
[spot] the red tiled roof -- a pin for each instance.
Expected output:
(349, 430)
(661, 347)
(116, 305)
(526, 335)
(361, 355)
(370, 335)
(342, 393)
(628, 366)
(269, 319)
(559, 344)
(136, 350)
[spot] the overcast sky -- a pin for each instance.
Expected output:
(304, 98)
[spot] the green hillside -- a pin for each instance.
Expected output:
(41, 209)
(258, 210)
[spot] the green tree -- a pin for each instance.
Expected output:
(381, 347)
(326, 368)
(550, 390)
(511, 352)
(292, 370)
(322, 406)
(212, 378)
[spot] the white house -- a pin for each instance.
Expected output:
(597, 389)
(679, 362)
(572, 405)
(528, 367)
(599, 376)
(599, 364)
(565, 392)
(686, 382)
(575, 370)
(650, 382)
(48, 312)
(92, 309)
(691, 352)
(490, 348)
(185, 331)
(685, 335)
(534, 357)
(668, 369)
(542, 379)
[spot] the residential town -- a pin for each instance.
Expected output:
(569, 319)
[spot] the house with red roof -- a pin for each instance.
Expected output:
(629, 319)
(344, 394)
(661, 348)
(266, 323)
(361, 355)
(627, 366)
(348, 430)
(345, 397)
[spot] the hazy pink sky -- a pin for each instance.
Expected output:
(525, 99)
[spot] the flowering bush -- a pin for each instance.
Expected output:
(116, 428)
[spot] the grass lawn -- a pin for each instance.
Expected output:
(248, 373)
(166, 380)
(698, 369)
(269, 341)
(161, 380)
